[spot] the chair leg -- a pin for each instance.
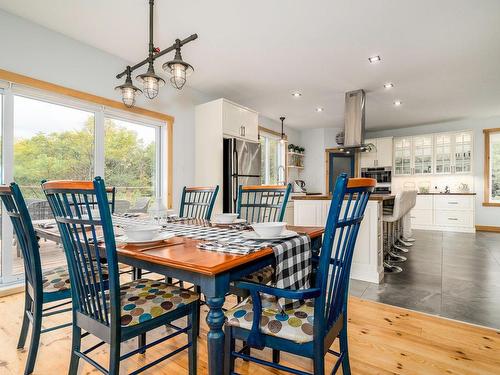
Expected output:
(35, 338)
(114, 359)
(194, 321)
(75, 345)
(198, 316)
(344, 349)
(26, 322)
(319, 363)
(276, 356)
(228, 349)
(141, 341)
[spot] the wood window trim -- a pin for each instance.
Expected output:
(20, 79)
(486, 177)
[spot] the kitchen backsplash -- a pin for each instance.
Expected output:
(455, 183)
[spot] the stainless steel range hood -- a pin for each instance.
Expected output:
(354, 122)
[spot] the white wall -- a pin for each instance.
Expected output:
(292, 134)
(37, 52)
(315, 141)
(484, 215)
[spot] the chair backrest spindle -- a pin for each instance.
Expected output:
(263, 203)
(198, 202)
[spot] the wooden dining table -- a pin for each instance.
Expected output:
(212, 271)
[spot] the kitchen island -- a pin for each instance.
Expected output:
(367, 264)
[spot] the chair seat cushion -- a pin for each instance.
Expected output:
(145, 299)
(295, 324)
(263, 276)
(56, 280)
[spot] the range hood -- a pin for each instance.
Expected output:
(354, 123)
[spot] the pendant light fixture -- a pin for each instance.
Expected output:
(282, 140)
(128, 90)
(178, 68)
(151, 82)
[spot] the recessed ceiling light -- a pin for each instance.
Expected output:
(296, 94)
(319, 109)
(397, 103)
(374, 59)
(389, 85)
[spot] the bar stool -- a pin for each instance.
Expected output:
(390, 220)
(407, 232)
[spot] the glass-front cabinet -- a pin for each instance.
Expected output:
(440, 153)
(422, 154)
(444, 154)
(402, 156)
(463, 152)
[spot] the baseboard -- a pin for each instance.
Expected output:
(11, 289)
(487, 228)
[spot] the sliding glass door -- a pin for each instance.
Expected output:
(51, 141)
(130, 162)
(52, 137)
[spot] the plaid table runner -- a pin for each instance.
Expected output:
(293, 267)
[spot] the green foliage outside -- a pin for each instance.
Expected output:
(129, 163)
(495, 171)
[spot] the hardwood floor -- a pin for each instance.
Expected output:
(383, 340)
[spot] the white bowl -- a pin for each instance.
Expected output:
(271, 229)
(142, 232)
(225, 218)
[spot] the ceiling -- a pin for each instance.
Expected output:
(443, 56)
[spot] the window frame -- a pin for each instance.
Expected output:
(12, 84)
(487, 168)
(271, 134)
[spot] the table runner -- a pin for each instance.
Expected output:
(293, 255)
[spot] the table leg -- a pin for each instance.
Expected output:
(215, 337)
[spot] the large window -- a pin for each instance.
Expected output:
(272, 159)
(130, 161)
(47, 136)
(492, 167)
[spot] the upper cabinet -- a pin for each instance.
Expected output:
(441, 153)
(381, 156)
(238, 121)
(402, 156)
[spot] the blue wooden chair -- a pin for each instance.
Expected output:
(310, 329)
(263, 203)
(198, 202)
(102, 307)
(41, 287)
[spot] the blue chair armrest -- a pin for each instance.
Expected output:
(255, 337)
(280, 293)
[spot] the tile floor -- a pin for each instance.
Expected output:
(454, 275)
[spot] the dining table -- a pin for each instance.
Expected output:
(181, 258)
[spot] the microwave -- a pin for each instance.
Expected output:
(383, 175)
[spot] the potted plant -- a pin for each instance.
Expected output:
(291, 147)
(296, 149)
(301, 150)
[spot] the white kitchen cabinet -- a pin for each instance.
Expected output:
(402, 156)
(213, 121)
(422, 154)
(367, 264)
(381, 156)
(440, 153)
(446, 212)
(238, 121)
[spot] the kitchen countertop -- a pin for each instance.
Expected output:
(446, 193)
(373, 197)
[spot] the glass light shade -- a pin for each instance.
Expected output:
(179, 70)
(151, 83)
(128, 91)
(128, 96)
(150, 87)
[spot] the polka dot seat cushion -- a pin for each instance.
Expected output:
(295, 324)
(144, 299)
(57, 279)
(262, 276)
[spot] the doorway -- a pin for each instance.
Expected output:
(337, 163)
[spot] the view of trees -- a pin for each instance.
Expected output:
(495, 171)
(70, 155)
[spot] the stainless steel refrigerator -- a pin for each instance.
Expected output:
(241, 167)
